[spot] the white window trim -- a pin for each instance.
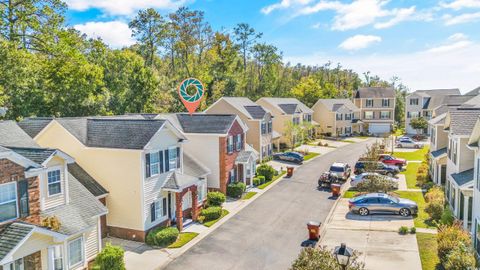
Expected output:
(369, 118)
(230, 144)
(51, 257)
(174, 150)
(156, 152)
(82, 248)
(51, 169)
(16, 202)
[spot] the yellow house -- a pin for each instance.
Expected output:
(337, 117)
(139, 161)
(284, 111)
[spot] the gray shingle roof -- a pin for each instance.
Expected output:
(463, 178)
(375, 92)
(439, 152)
(288, 108)
(12, 135)
(33, 126)
(178, 181)
(277, 101)
(193, 167)
(11, 236)
(463, 121)
(440, 92)
(438, 120)
(37, 155)
(80, 213)
(474, 102)
(474, 92)
(86, 180)
(335, 104)
(205, 123)
(244, 156)
(255, 111)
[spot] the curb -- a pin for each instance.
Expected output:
(329, 217)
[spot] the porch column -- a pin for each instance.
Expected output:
(179, 211)
(465, 211)
(194, 203)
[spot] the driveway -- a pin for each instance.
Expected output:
(269, 232)
(375, 236)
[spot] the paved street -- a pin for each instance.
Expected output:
(268, 233)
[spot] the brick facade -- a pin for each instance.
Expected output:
(10, 171)
(33, 261)
(227, 161)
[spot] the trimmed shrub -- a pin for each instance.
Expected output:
(110, 258)
(261, 178)
(215, 198)
(267, 171)
(256, 181)
(435, 194)
(377, 184)
(447, 217)
(449, 237)
(162, 237)
(235, 190)
(434, 210)
(413, 230)
(403, 230)
(211, 213)
(461, 257)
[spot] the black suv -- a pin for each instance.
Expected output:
(380, 168)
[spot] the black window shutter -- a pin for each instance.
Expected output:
(152, 212)
(160, 160)
(178, 157)
(23, 198)
(147, 165)
(167, 165)
(164, 206)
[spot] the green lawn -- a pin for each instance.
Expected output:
(422, 220)
(182, 239)
(262, 186)
(211, 222)
(310, 156)
(427, 245)
(415, 155)
(248, 195)
(411, 174)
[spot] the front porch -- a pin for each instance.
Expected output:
(459, 192)
(438, 166)
(245, 165)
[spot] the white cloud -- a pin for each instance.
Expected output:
(123, 7)
(358, 42)
(114, 33)
(455, 42)
(351, 15)
(418, 70)
(283, 5)
(459, 4)
(463, 18)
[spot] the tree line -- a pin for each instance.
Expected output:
(50, 69)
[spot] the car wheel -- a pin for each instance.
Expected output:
(363, 211)
(404, 212)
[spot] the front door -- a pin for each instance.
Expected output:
(171, 206)
(443, 174)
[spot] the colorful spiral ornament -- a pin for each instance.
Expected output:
(184, 86)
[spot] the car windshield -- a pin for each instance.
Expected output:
(336, 169)
(395, 200)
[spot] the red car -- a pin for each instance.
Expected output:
(391, 160)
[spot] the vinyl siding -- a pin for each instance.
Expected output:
(91, 243)
(58, 199)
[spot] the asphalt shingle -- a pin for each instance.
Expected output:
(463, 178)
(37, 155)
(12, 135)
(335, 104)
(288, 108)
(277, 101)
(255, 111)
(462, 121)
(205, 123)
(33, 126)
(439, 152)
(11, 236)
(375, 92)
(86, 180)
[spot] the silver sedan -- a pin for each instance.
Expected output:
(381, 203)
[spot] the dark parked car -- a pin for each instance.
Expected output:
(381, 203)
(379, 167)
(289, 156)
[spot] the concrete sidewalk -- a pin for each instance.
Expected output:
(375, 236)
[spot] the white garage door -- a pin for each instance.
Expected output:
(379, 128)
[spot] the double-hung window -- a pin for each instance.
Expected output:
(238, 146)
(157, 209)
(231, 176)
(54, 182)
(16, 265)
(172, 158)
(339, 116)
(56, 257)
(385, 102)
(230, 144)
(154, 163)
(384, 115)
(369, 115)
(369, 103)
(8, 201)
(414, 101)
(264, 127)
(75, 252)
(269, 130)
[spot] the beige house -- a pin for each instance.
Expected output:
(377, 108)
(260, 134)
(459, 124)
(421, 103)
(139, 161)
(36, 185)
(337, 117)
(284, 111)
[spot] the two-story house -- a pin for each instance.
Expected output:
(439, 138)
(218, 141)
(287, 110)
(377, 108)
(421, 103)
(259, 120)
(473, 144)
(459, 124)
(48, 219)
(337, 117)
(139, 161)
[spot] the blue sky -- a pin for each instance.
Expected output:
(428, 44)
